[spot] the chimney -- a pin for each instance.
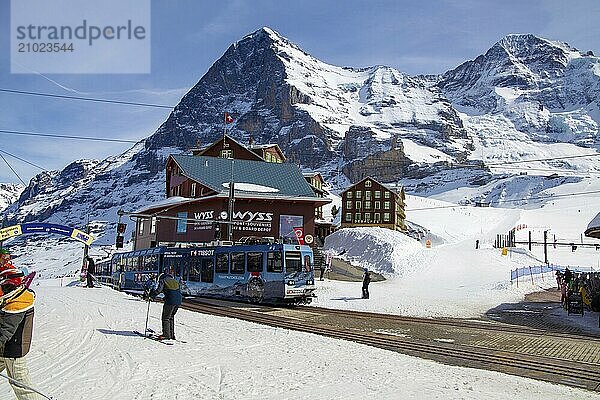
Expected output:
(250, 141)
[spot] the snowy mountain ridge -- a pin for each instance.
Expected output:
(9, 193)
(348, 123)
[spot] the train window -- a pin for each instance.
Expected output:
(307, 264)
(255, 262)
(237, 263)
(274, 262)
(151, 263)
(194, 270)
(293, 262)
(208, 270)
(222, 263)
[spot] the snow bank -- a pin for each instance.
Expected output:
(379, 249)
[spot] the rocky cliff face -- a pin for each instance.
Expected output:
(348, 123)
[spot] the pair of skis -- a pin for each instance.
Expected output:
(150, 334)
(153, 336)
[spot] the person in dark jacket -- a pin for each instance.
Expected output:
(365, 285)
(171, 289)
(16, 328)
(91, 270)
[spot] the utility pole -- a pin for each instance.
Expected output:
(529, 240)
(546, 247)
(230, 205)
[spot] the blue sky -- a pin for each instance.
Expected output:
(416, 37)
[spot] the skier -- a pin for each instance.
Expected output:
(170, 287)
(91, 270)
(5, 259)
(16, 326)
(365, 285)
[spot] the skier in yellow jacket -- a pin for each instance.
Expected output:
(16, 327)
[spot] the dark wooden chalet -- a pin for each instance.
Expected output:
(370, 203)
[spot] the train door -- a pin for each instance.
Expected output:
(207, 271)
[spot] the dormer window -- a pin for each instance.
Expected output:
(228, 153)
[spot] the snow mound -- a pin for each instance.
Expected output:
(383, 250)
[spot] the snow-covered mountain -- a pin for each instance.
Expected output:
(526, 97)
(9, 192)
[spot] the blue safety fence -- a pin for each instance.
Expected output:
(542, 269)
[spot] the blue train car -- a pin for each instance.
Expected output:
(257, 273)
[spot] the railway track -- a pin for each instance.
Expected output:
(555, 370)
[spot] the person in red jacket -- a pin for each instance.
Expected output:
(16, 328)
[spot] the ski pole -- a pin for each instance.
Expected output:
(24, 386)
(147, 314)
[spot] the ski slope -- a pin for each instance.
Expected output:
(83, 348)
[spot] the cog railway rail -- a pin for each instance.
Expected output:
(561, 370)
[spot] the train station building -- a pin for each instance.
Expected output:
(229, 191)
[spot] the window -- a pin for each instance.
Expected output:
(377, 218)
(141, 227)
(274, 261)
(367, 195)
(193, 190)
(357, 217)
(255, 262)
(368, 217)
(151, 263)
(368, 183)
(348, 217)
(182, 222)
(386, 195)
(358, 194)
(377, 205)
(237, 263)
(367, 204)
(377, 194)
(358, 205)
(349, 194)
(222, 263)
(386, 217)
(293, 262)
(227, 153)
(153, 225)
(386, 205)
(349, 204)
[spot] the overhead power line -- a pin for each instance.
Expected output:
(96, 100)
(13, 170)
(22, 159)
(56, 135)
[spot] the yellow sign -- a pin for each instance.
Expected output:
(504, 251)
(11, 231)
(428, 243)
(82, 236)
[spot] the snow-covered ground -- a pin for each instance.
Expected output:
(83, 348)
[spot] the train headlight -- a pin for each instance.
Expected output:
(310, 282)
(291, 282)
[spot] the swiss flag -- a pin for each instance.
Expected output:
(228, 118)
(299, 232)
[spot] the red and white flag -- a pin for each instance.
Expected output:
(228, 118)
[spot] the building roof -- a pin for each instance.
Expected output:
(257, 177)
(593, 228)
(393, 189)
